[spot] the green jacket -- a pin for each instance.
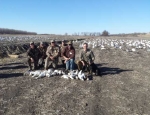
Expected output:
(87, 56)
(33, 53)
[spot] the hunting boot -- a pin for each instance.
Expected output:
(29, 63)
(90, 75)
(35, 67)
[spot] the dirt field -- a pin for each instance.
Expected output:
(123, 89)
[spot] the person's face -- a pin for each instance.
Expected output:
(63, 43)
(69, 45)
(85, 46)
(52, 43)
(32, 46)
(41, 45)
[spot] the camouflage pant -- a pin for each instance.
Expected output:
(41, 60)
(35, 63)
(48, 62)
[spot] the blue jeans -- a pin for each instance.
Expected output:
(70, 64)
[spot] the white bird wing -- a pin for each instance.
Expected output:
(60, 72)
(65, 76)
(63, 73)
(80, 72)
(50, 70)
(31, 73)
(76, 73)
(56, 71)
(83, 76)
(47, 75)
(42, 74)
(72, 76)
(36, 73)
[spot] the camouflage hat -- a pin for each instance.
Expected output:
(31, 42)
(70, 42)
(52, 41)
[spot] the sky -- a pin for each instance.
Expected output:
(70, 16)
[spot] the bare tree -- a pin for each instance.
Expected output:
(105, 33)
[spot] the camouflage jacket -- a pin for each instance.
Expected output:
(42, 51)
(53, 51)
(62, 48)
(87, 56)
(33, 53)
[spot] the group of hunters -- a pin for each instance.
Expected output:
(44, 56)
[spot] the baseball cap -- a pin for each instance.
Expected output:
(31, 42)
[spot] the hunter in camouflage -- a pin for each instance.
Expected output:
(33, 56)
(42, 55)
(53, 52)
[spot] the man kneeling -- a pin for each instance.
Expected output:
(52, 55)
(42, 49)
(33, 54)
(87, 60)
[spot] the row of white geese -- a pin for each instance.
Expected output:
(23, 38)
(104, 43)
(28, 38)
(75, 74)
(124, 44)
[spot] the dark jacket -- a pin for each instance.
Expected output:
(69, 53)
(33, 53)
(42, 51)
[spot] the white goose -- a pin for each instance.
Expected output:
(35, 73)
(65, 76)
(42, 74)
(72, 75)
(81, 75)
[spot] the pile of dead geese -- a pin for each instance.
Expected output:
(75, 74)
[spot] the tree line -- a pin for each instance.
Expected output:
(104, 33)
(129, 34)
(13, 31)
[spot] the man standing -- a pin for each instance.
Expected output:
(52, 53)
(87, 60)
(42, 49)
(33, 54)
(69, 56)
(62, 48)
